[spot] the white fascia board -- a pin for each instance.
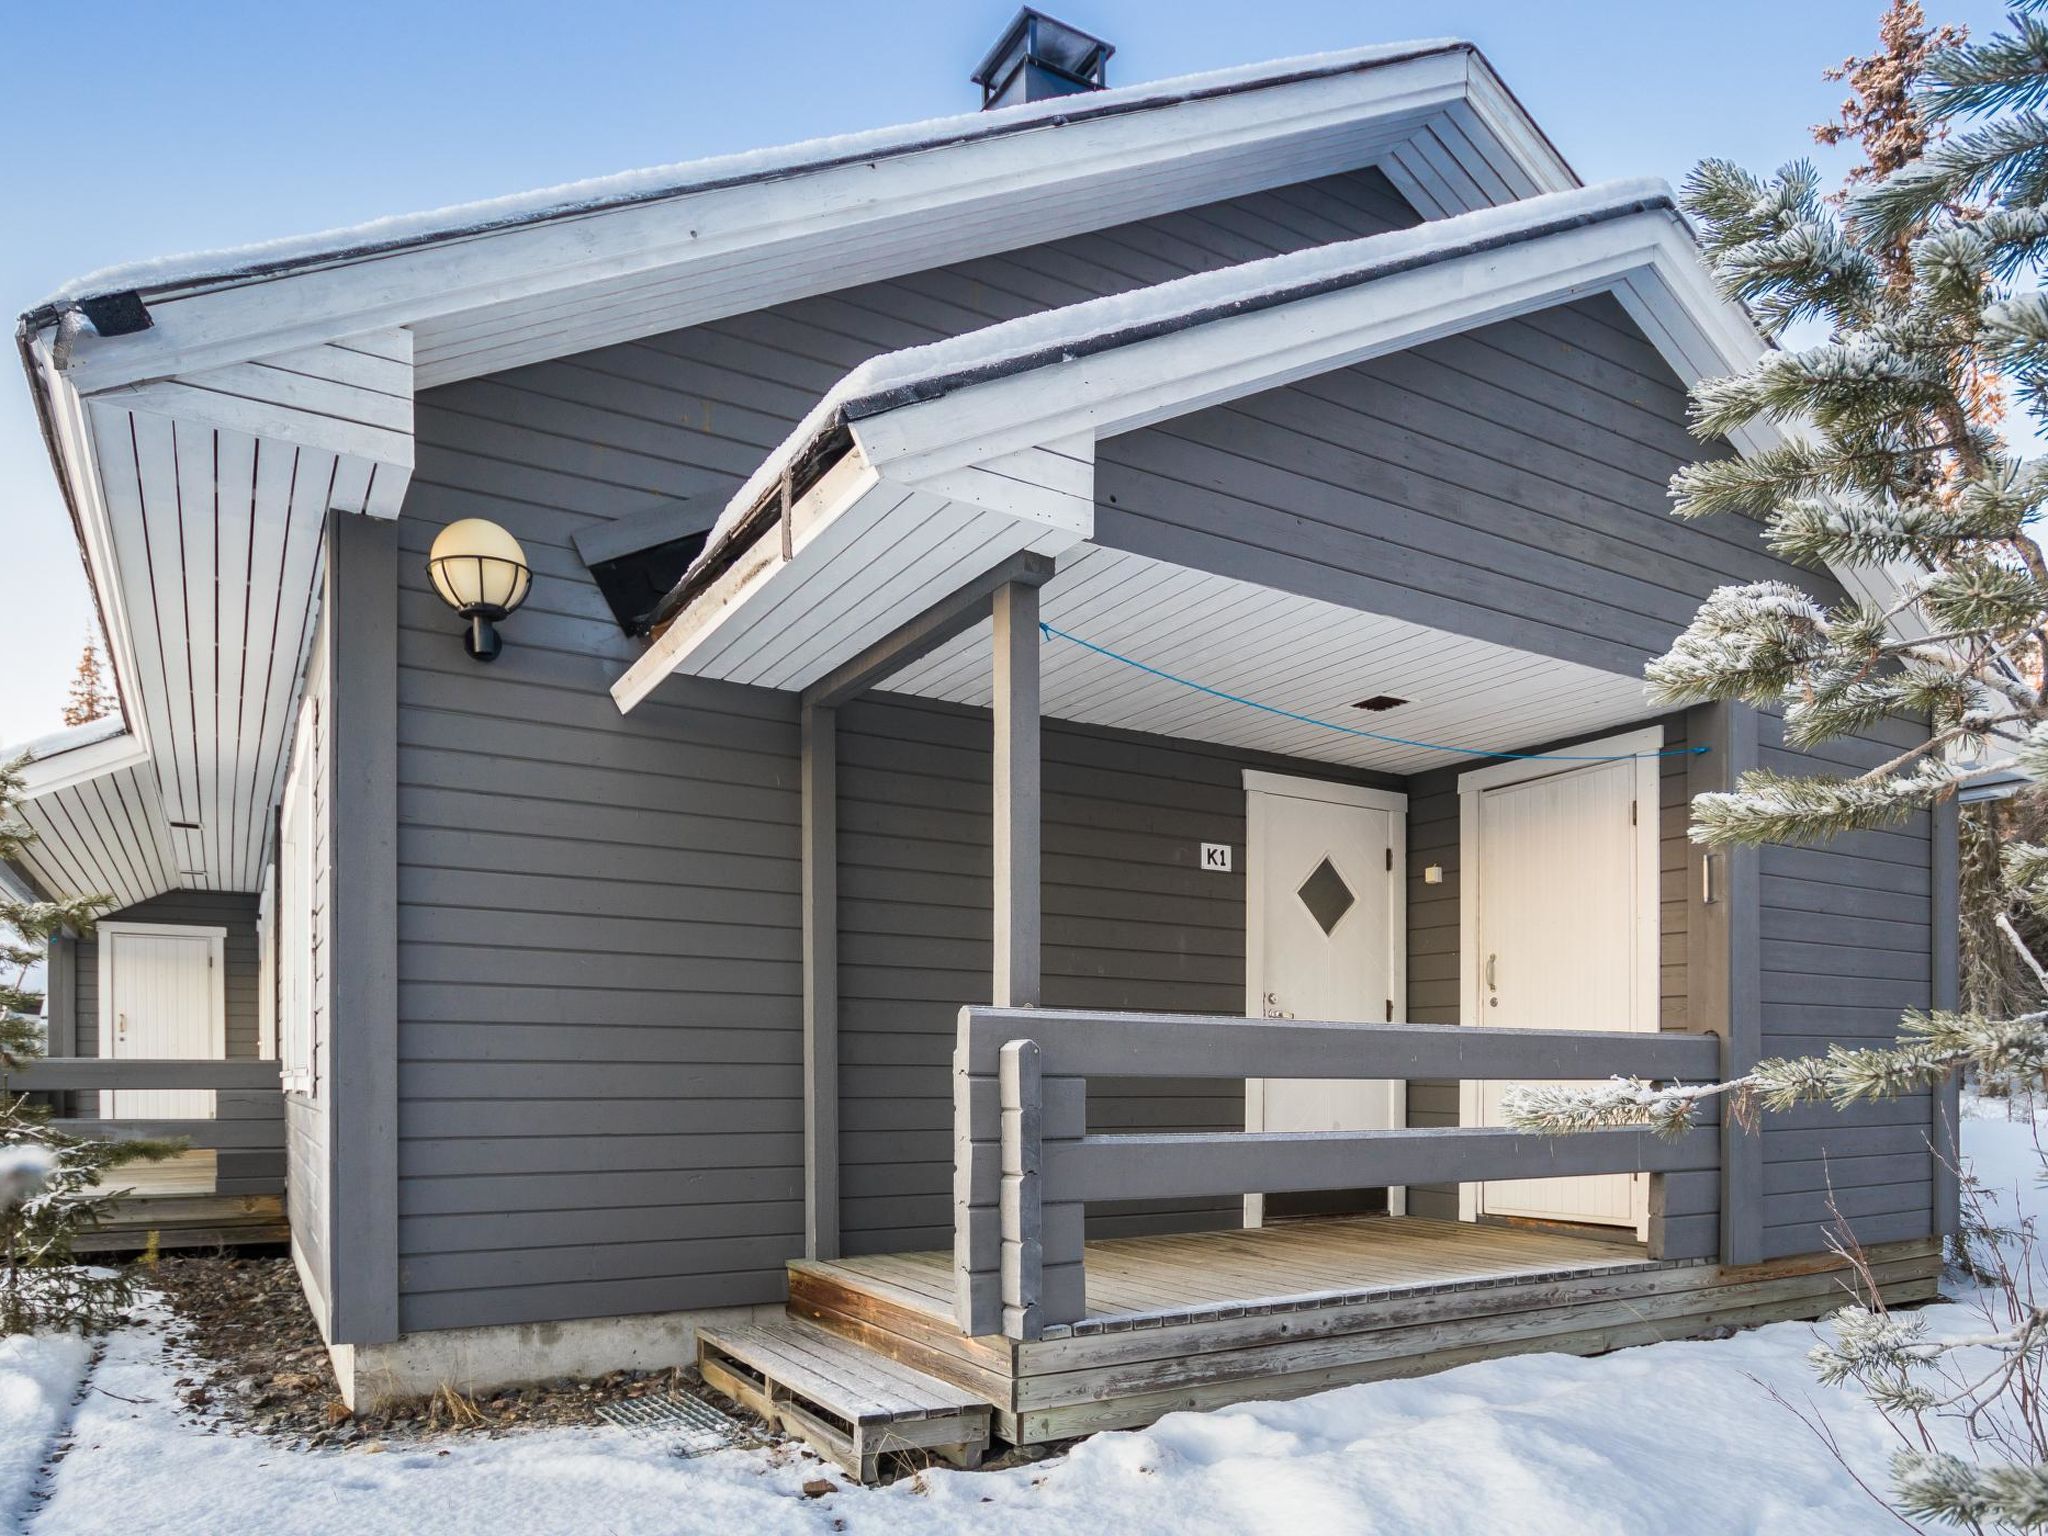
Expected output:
(838, 492)
(1153, 380)
(219, 326)
(62, 770)
(77, 468)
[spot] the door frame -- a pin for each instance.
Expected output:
(1259, 783)
(216, 993)
(1648, 914)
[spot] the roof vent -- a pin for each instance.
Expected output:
(1037, 57)
(1379, 702)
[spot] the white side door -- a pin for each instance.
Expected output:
(161, 997)
(1563, 908)
(1325, 939)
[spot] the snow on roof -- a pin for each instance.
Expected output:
(656, 183)
(69, 739)
(897, 379)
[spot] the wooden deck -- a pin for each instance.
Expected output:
(1200, 1320)
(189, 1221)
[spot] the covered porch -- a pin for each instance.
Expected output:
(1041, 532)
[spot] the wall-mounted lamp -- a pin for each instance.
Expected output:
(481, 572)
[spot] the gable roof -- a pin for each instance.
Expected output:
(981, 447)
(275, 383)
(487, 286)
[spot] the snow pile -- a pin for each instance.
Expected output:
(1685, 1436)
(678, 179)
(1675, 1437)
(896, 378)
(39, 1376)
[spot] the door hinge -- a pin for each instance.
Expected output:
(1390, 861)
(1390, 1010)
(1632, 813)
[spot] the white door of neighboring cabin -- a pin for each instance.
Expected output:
(160, 997)
(1325, 939)
(1562, 913)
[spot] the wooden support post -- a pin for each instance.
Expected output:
(360, 608)
(821, 982)
(1023, 1218)
(60, 987)
(1945, 922)
(1724, 947)
(1017, 919)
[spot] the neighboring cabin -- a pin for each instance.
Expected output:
(591, 987)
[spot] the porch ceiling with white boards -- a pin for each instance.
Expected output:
(1294, 653)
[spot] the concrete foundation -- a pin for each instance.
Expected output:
(475, 1360)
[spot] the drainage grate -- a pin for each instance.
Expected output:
(687, 1425)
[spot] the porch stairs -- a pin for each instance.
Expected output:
(851, 1405)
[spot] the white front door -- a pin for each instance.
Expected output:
(160, 997)
(1562, 863)
(1325, 940)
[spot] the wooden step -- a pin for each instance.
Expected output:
(850, 1405)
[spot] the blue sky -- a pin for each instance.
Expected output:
(146, 136)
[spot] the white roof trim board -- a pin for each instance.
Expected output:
(966, 451)
(490, 286)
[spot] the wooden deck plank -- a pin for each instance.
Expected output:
(1201, 1319)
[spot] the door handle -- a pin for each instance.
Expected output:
(1491, 960)
(121, 1023)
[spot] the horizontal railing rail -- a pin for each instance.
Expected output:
(1025, 1166)
(247, 1127)
(57, 1074)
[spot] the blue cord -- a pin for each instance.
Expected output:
(1347, 730)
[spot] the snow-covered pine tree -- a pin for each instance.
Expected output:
(1886, 464)
(50, 1183)
(90, 698)
(1923, 286)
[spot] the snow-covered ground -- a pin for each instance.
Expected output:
(1680, 1437)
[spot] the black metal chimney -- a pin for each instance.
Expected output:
(1037, 57)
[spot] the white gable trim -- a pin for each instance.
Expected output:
(1439, 120)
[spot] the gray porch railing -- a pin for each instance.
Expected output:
(1025, 1166)
(246, 1130)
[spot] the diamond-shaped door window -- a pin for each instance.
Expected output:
(1326, 896)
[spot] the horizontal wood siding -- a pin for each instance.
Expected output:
(599, 975)
(1131, 922)
(1847, 949)
(1434, 939)
(1508, 484)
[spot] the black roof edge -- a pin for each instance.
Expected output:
(836, 437)
(1086, 108)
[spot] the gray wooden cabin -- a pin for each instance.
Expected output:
(952, 901)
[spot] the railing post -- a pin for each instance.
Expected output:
(1022, 1097)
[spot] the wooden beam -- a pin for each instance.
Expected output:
(1017, 810)
(54, 1073)
(951, 616)
(361, 608)
(1945, 922)
(1724, 963)
(60, 986)
(821, 982)
(1177, 1166)
(1023, 1217)
(1080, 1042)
